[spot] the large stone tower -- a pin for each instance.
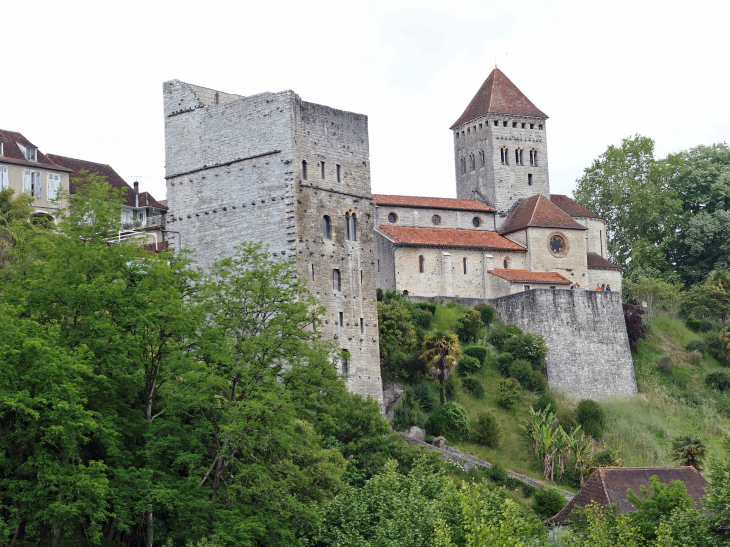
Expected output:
(288, 173)
(500, 147)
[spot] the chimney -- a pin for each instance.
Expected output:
(136, 193)
(136, 187)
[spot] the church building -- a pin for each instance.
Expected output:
(505, 232)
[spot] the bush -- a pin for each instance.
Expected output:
(606, 458)
(499, 336)
(427, 306)
(503, 362)
(528, 346)
(486, 430)
(478, 352)
(406, 413)
(468, 365)
(450, 421)
(543, 401)
(527, 489)
(539, 382)
(718, 380)
(488, 313)
(590, 417)
(421, 318)
(693, 324)
(547, 502)
(698, 344)
(665, 364)
(521, 371)
(634, 325)
(509, 393)
(379, 295)
(474, 386)
(715, 348)
(695, 358)
(467, 326)
(708, 325)
(497, 474)
(450, 386)
(427, 399)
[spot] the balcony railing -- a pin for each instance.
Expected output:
(151, 221)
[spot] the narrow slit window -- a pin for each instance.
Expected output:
(339, 172)
(362, 326)
(326, 227)
(321, 170)
(496, 123)
(304, 169)
(529, 179)
(472, 162)
(481, 158)
(360, 277)
(347, 226)
(353, 232)
(341, 321)
(501, 155)
(378, 265)
(312, 272)
(336, 280)
(517, 157)
(534, 156)
(421, 261)
(345, 364)
(506, 265)
(464, 261)
(522, 157)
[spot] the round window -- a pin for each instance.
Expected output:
(558, 245)
(476, 222)
(436, 220)
(392, 218)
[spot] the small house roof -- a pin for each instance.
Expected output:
(528, 276)
(539, 212)
(597, 262)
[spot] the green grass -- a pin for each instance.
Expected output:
(669, 404)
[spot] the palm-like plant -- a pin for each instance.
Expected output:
(689, 451)
(441, 351)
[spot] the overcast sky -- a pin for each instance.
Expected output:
(84, 79)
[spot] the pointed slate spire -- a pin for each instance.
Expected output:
(498, 95)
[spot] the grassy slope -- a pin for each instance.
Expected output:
(669, 404)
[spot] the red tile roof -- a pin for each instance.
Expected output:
(445, 237)
(13, 154)
(573, 208)
(539, 212)
(597, 262)
(608, 486)
(145, 199)
(498, 95)
(527, 276)
(431, 203)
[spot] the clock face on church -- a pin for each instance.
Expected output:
(558, 245)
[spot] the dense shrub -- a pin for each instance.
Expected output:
(589, 415)
(606, 458)
(547, 502)
(539, 382)
(421, 318)
(528, 346)
(486, 430)
(715, 348)
(543, 401)
(503, 362)
(474, 386)
(718, 380)
(497, 474)
(694, 358)
(509, 393)
(450, 386)
(665, 364)
(521, 371)
(468, 365)
(693, 324)
(467, 326)
(698, 344)
(379, 295)
(406, 413)
(430, 306)
(488, 313)
(478, 352)
(527, 489)
(634, 325)
(709, 325)
(427, 399)
(499, 336)
(451, 421)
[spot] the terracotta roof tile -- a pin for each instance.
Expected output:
(573, 208)
(498, 95)
(145, 199)
(13, 154)
(597, 262)
(539, 212)
(445, 237)
(431, 203)
(608, 486)
(527, 276)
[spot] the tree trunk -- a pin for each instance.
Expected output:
(442, 378)
(150, 527)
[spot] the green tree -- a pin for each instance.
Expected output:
(441, 352)
(658, 294)
(657, 504)
(467, 325)
(397, 333)
(689, 450)
(705, 301)
(602, 527)
(15, 214)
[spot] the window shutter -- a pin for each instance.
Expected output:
(38, 185)
(27, 182)
(3, 177)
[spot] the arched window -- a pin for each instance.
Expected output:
(464, 265)
(304, 169)
(353, 232)
(472, 163)
(481, 158)
(421, 260)
(463, 166)
(336, 280)
(326, 227)
(347, 226)
(506, 264)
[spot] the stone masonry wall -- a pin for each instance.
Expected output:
(501, 185)
(418, 217)
(586, 333)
